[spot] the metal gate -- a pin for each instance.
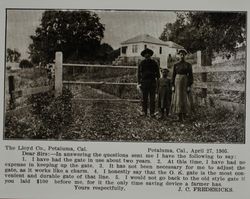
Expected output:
(96, 82)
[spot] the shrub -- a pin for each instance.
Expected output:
(25, 64)
(16, 128)
(55, 113)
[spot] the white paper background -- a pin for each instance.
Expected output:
(242, 150)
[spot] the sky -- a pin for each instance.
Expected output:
(119, 26)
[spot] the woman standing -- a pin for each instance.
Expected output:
(182, 81)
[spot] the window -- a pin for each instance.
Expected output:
(145, 46)
(124, 49)
(134, 49)
(160, 50)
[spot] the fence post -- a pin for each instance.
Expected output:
(11, 91)
(58, 73)
(198, 58)
(203, 78)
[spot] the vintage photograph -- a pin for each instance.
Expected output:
(125, 75)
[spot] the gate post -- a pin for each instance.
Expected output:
(11, 91)
(199, 58)
(201, 61)
(58, 73)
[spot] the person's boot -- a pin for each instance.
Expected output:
(183, 116)
(180, 119)
(167, 112)
(143, 114)
(162, 114)
(152, 115)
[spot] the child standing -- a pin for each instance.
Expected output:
(164, 93)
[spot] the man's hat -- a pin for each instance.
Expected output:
(182, 50)
(164, 69)
(147, 51)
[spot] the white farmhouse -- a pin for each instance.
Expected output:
(130, 51)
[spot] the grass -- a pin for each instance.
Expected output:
(120, 121)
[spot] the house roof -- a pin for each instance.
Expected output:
(144, 38)
(150, 39)
(172, 44)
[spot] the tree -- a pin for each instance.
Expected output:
(75, 33)
(207, 31)
(25, 64)
(114, 54)
(104, 51)
(13, 55)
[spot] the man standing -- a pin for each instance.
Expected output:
(148, 75)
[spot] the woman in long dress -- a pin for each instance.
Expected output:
(182, 81)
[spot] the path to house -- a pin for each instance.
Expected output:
(120, 121)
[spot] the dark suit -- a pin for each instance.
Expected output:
(148, 73)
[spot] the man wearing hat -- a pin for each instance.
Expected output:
(148, 75)
(182, 81)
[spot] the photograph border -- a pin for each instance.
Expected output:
(121, 10)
